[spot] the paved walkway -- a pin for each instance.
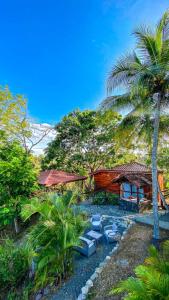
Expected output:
(148, 220)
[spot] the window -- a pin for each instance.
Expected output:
(129, 190)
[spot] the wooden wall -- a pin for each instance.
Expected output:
(103, 182)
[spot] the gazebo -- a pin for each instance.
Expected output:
(53, 178)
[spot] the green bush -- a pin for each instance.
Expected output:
(14, 265)
(103, 198)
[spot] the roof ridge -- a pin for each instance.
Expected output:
(129, 163)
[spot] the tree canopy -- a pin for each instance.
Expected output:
(84, 141)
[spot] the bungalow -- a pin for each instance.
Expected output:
(132, 182)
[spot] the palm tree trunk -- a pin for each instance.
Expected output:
(156, 233)
(16, 225)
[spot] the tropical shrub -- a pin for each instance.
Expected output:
(17, 175)
(14, 265)
(152, 278)
(53, 237)
(17, 180)
(103, 198)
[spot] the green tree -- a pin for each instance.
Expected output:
(12, 112)
(17, 180)
(53, 237)
(144, 76)
(84, 142)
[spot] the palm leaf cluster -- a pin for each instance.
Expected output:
(143, 75)
(152, 278)
(53, 237)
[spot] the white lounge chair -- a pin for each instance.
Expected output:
(87, 246)
(111, 233)
(96, 221)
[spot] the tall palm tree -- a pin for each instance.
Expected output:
(144, 74)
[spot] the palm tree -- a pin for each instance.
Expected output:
(144, 74)
(53, 237)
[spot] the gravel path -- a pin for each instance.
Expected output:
(131, 252)
(84, 267)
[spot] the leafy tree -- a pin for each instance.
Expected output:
(84, 142)
(17, 180)
(12, 112)
(144, 76)
(14, 123)
(152, 278)
(53, 237)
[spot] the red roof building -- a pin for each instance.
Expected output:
(127, 180)
(53, 177)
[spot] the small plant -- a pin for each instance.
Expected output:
(103, 198)
(152, 278)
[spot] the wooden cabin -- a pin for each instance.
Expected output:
(132, 182)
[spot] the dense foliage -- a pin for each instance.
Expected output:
(53, 237)
(14, 265)
(103, 198)
(152, 278)
(17, 179)
(84, 142)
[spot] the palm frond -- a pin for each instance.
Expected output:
(117, 102)
(163, 26)
(124, 72)
(146, 44)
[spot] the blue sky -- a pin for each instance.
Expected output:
(58, 53)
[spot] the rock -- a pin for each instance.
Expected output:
(85, 290)
(107, 258)
(38, 296)
(94, 276)
(81, 297)
(46, 291)
(89, 283)
(99, 270)
(102, 264)
(122, 262)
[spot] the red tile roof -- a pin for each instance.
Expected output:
(137, 179)
(54, 177)
(133, 167)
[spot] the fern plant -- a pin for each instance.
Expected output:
(152, 278)
(53, 237)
